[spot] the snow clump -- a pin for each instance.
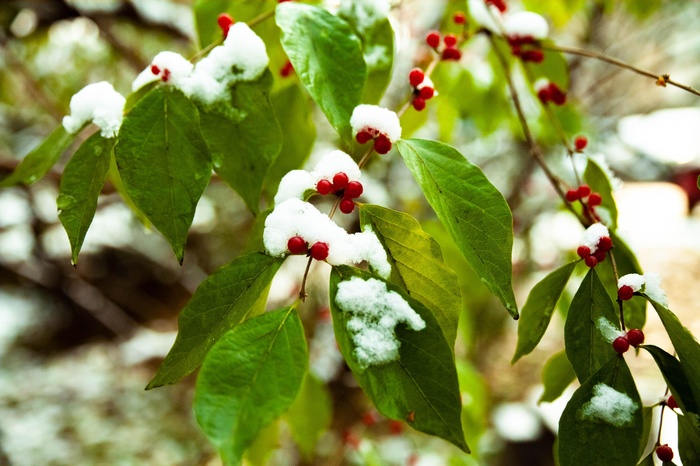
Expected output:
(610, 406)
(99, 103)
(525, 24)
(374, 314)
(376, 119)
(649, 284)
(295, 217)
(591, 237)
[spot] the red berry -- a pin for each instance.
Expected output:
(516, 50)
(225, 22)
(594, 199)
(625, 293)
(544, 95)
(340, 180)
(556, 94)
(664, 452)
(535, 56)
(583, 251)
(155, 70)
(369, 418)
(287, 69)
(599, 255)
(621, 345)
(433, 39)
(416, 76)
(605, 243)
(282, 1)
(572, 195)
(296, 245)
(426, 92)
(319, 251)
(583, 191)
(418, 103)
(396, 427)
(450, 40)
(635, 337)
(363, 136)
(353, 190)
(166, 75)
(591, 261)
(324, 187)
(451, 54)
(459, 17)
(580, 143)
(500, 4)
(671, 402)
(346, 206)
(382, 144)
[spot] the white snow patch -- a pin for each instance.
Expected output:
(592, 235)
(608, 329)
(649, 284)
(367, 13)
(526, 23)
(100, 103)
(374, 313)
(179, 69)
(609, 406)
(293, 185)
(372, 117)
(295, 217)
(488, 16)
(540, 84)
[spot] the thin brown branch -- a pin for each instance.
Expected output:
(660, 79)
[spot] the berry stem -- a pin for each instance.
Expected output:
(302, 291)
(617, 278)
(662, 79)
(535, 150)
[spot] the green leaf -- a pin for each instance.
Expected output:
(80, 187)
(473, 211)
(585, 438)
(587, 345)
(554, 68)
(648, 415)
(648, 460)
(164, 162)
(328, 59)
(293, 113)
(538, 309)
(689, 438)
(377, 48)
(557, 374)
(39, 161)
(421, 386)
(676, 378)
(248, 379)
(245, 141)
(227, 297)
(267, 441)
(417, 265)
(310, 415)
(685, 344)
(599, 182)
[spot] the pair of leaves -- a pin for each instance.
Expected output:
(586, 439)
(421, 385)
(249, 378)
(472, 210)
(222, 301)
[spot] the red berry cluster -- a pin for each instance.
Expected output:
(287, 69)
(551, 93)
(343, 188)
(580, 143)
(664, 452)
(526, 48)
(588, 198)
(500, 4)
(297, 245)
(225, 22)
(420, 93)
(164, 73)
(382, 144)
(592, 259)
(450, 51)
(634, 337)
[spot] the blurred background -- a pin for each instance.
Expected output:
(78, 345)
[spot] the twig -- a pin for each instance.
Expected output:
(660, 79)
